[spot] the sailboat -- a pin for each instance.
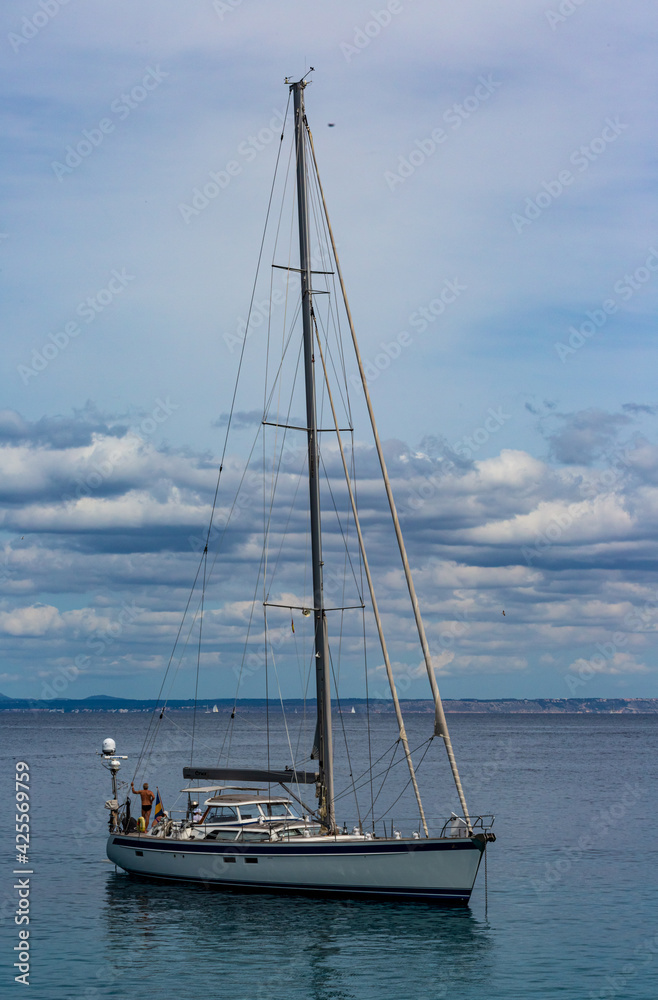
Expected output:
(255, 829)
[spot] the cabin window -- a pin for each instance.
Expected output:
(229, 861)
(277, 809)
(254, 834)
(285, 833)
(222, 814)
(251, 861)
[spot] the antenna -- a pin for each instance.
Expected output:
(290, 82)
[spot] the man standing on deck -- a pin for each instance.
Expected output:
(147, 801)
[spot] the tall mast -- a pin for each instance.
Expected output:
(323, 748)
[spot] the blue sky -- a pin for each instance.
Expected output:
(507, 150)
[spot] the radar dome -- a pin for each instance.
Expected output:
(109, 747)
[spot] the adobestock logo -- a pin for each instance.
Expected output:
(420, 320)
(564, 11)
(454, 116)
(581, 158)
(625, 288)
(371, 29)
(122, 107)
(31, 26)
(219, 180)
(88, 310)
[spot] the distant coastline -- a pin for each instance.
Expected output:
(469, 706)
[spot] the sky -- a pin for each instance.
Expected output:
(502, 156)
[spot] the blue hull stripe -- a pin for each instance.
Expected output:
(269, 850)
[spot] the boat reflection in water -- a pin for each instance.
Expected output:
(261, 945)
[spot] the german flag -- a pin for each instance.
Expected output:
(158, 810)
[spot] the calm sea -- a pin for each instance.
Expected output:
(563, 920)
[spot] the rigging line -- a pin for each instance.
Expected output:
(228, 427)
(283, 713)
(343, 598)
(253, 294)
(275, 482)
(302, 728)
(235, 501)
(418, 766)
(177, 725)
(284, 533)
(150, 746)
(331, 319)
(267, 701)
(381, 787)
(365, 671)
(229, 728)
(198, 658)
(267, 343)
(274, 249)
(356, 493)
(284, 345)
(347, 748)
(343, 535)
(228, 734)
(303, 804)
(400, 760)
(277, 233)
(335, 316)
(341, 627)
(284, 350)
(375, 606)
(333, 365)
(149, 749)
(246, 721)
(274, 452)
(277, 381)
(276, 472)
(196, 613)
(242, 349)
(287, 341)
(283, 202)
(265, 537)
(322, 227)
(440, 723)
(348, 789)
(157, 710)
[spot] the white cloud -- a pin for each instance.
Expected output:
(566, 553)
(619, 663)
(33, 622)
(136, 551)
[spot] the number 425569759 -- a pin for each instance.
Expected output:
(22, 806)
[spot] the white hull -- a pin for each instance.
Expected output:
(441, 870)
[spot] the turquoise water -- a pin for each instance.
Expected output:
(563, 920)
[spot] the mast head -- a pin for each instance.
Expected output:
(299, 83)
